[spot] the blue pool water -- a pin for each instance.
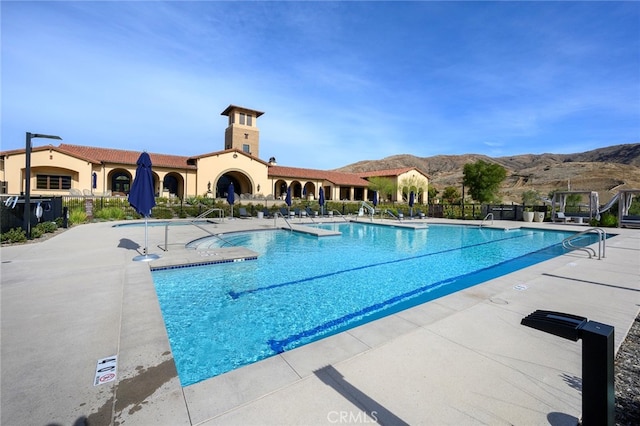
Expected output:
(303, 288)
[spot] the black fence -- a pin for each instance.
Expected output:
(12, 211)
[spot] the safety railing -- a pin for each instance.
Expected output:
(568, 243)
(275, 220)
(486, 219)
(192, 222)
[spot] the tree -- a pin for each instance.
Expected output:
(483, 180)
(412, 183)
(432, 192)
(451, 195)
(530, 197)
(385, 187)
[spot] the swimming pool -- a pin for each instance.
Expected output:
(303, 288)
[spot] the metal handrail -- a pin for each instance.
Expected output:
(275, 220)
(602, 238)
(206, 213)
(192, 222)
(487, 218)
(339, 214)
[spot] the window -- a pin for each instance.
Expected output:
(242, 116)
(245, 148)
(53, 182)
(249, 120)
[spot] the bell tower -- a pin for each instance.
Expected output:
(242, 132)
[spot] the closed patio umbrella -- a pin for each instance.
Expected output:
(288, 199)
(321, 201)
(142, 199)
(375, 198)
(231, 197)
(412, 199)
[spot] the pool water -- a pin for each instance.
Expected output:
(303, 288)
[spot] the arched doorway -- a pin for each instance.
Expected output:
(173, 183)
(242, 185)
(280, 189)
(120, 181)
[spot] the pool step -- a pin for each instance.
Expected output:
(183, 258)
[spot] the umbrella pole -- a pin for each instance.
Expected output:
(146, 235)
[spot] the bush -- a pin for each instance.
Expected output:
(36, 232)
(47, 227)
(608, 220)
(77, 216)
(110, 213)
(14, 235)
(162, 213)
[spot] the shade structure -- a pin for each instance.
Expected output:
(321, 201)
(412, 199)
(231, 196)
(142, 199)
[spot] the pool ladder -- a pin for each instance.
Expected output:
(567, 243)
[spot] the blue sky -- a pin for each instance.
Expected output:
(339, 82)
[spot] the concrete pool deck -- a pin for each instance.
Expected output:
(78, 297)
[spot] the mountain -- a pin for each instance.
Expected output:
(605, 170)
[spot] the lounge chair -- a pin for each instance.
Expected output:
(284, 212)
(310, 212)
(242, 212)
(560, 216)
(420, 214)
(266, 212)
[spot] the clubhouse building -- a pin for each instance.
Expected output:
(91, 171)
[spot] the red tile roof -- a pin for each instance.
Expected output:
(338, 178)
(388, 172)
(119, 156)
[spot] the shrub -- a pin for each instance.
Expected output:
(14, 235)
(47, 227)
(77, 216)
(162, 213)
(110, 213)
(36, 232)
(608, 220)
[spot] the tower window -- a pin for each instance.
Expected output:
(245, 148)
(249, 120)
(242, 116)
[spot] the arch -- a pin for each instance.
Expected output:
(120, 181)
(280, 189)
(173, 183)
(242, 183)
(296, 189)
(309, 189)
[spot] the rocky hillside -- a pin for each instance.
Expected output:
(604, 170)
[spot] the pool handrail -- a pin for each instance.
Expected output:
(602, 238)
(275, 220)
(486, 218)
(192, 222)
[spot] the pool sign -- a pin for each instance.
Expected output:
(106, 370)
(520, 287)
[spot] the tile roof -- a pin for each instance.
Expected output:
(120, 156)
(338, 178)
(388, 172)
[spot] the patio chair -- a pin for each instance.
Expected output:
(242, 212)
(560, 216)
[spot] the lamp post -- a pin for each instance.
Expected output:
(27, 179)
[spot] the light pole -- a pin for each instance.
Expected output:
(27, 179)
